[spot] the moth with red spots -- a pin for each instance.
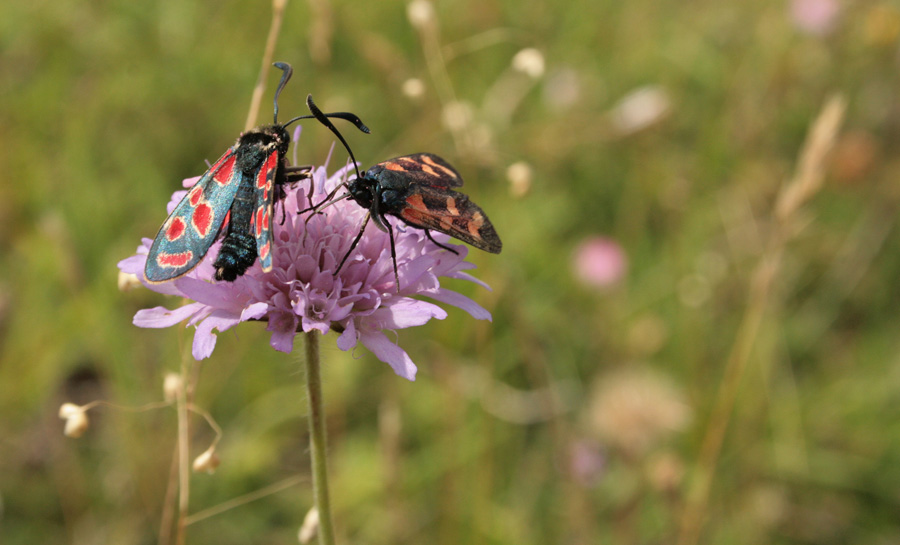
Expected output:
(417, 189)
(236, 197)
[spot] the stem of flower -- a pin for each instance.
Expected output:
(317, 439)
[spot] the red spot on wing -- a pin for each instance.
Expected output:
(202, 219)
(195, 195)
(264, 251)
(261, 178)
(261, 220)
(223, 175)
(174, 260)
(176, 228)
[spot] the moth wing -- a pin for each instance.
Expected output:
(451, 213)
(261, 224)
(191, 228)
(423, 169)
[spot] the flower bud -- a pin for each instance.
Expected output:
(519, 176)
(310, 526)
(420, 13)
(76, 419)
(208, 461)
(413, 88)
(529, 61)
(127, 281)
(172, 385)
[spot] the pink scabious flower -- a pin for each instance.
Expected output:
(302, 293)
(599, 262)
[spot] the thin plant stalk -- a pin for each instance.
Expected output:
(796, 192)
(274, 30)
(184, 486)
(318, 445)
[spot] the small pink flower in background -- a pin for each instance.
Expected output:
(586, 462)
(817, 17)
(302, 293)
(600, 262)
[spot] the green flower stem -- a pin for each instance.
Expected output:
(317, 439)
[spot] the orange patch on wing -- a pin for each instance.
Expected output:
(475, 224)
(431, 162)
(416, 202)
(392, 165)
(451, 206)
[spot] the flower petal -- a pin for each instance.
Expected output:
(389, 353)
(348, 339)
(205, 339)
(459, 300)
(162, 317)
(407, 313)
(283, 326)
(254, 311)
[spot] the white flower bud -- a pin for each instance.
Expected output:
(529, 61)
(208, 461)
(172, 385)
(519, 176)
(457, 115)
(310, 526)
(413, 88)
(76, 420)
(420, 13)
(127, 281)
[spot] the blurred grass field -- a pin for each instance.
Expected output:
(661, 130)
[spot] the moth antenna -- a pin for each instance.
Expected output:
(285, 77)
(323, 119)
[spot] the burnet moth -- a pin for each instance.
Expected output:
(417, 189)
(235, 197)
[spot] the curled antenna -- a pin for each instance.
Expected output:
(346, 116)
(323, 119)
(288, 72)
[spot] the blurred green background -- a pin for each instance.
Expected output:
(630, 158)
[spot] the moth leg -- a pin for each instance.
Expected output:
(296, 174)
(390, 231)
(355, 242)
(428, 234)
(324, 201)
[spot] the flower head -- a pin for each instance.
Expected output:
(302, 293)
(599, 262)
